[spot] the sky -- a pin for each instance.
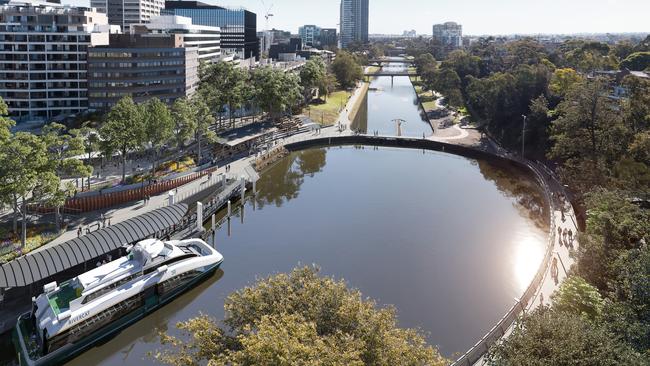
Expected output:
(478, 17)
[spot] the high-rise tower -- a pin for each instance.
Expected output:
(354, 22)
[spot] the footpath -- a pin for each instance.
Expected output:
(95, 220)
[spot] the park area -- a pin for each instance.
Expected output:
(327, 111)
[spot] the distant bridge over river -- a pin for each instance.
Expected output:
(381, 61)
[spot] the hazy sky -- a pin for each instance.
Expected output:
(476, 16)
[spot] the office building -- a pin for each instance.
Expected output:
(354, 22)
(128, 12)
(142, 66)
(206, 39)
(328, 38)
(310, 35)
(448, 35)
(238, 26)
(282, 51)
(43, 58)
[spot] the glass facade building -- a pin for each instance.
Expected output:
(354, 22)
(238, 26)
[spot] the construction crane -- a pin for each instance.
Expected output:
(267, 13)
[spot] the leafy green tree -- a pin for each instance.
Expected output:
(637, 105)
(578, 297)
(184, 121)
(463, 63)
(614, 225)
(26, 173)
(239, 91)
(524, 52)
(328, 85)
(216, 85)
(637, 61)
(589, 136)
(562, 81)
(425, 63)
(299, 319)
(346, 69)
(64, 150)
(551, 337)
(158, 127)
(627, 313)
(203, 119)
(312, 76)
(90, 140)
(446, 82)
(276, 90)
(589, 56)
(538, 121)
(123, 131)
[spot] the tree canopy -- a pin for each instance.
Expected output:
(299, 319)
(347, 69)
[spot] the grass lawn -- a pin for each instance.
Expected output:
(329, 111)
(429, 105)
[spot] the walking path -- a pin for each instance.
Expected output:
(237, 168)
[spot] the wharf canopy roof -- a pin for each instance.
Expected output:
(42, 264)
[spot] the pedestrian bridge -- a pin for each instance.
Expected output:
(381, 61)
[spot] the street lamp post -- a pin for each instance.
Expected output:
(523, 137)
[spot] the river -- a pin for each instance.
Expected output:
(449, 241)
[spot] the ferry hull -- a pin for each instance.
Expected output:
(71, 351)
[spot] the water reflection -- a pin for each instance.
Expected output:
(528, 255)
(121, 348)
(281, 183)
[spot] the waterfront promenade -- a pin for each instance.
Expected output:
(540, 291)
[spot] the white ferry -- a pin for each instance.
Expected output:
(70, 317)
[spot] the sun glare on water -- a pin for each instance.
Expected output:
(527, 258)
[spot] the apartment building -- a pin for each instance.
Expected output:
(43, 58)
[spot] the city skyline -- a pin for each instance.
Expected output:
(477, 17)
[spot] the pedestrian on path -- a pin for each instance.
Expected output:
(79, 232)
(570, 236)
(554, 271)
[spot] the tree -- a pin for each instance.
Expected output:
(203, 119)
(627, 313)
(123, 131)
(637, 61)
(300, 319)
(64, 150)
(328, 85)
(158, 127)
(446, 82)
(312, 76)
(463, 63)
(614, 225)
(425, 64)
(346, 69)
(553, 337)
(276, 90)
(26, 174)
(90, 140)
(578, 297)
(216, 84)
(562, 81)
(589, 136)
(637, 106)
(183, 117)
